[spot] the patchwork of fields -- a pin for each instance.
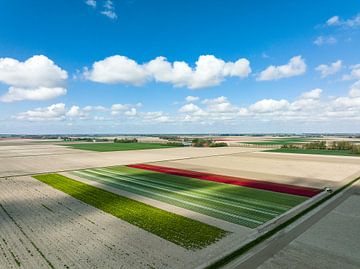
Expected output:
(245, 206)
(106, 147)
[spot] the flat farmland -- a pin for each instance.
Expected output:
(96, 210)
(42, 227)
(248, 207)
(316, 171)
(106, 147)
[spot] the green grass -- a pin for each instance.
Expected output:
(245, 206)
(104, 147)
(280, 141)
(316, 151)
(188, 233)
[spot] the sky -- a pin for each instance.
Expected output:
(180, 66)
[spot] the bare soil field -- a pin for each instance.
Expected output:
(43, 228)
(29, 159)
(305, 170)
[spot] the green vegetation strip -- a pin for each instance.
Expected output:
(245, 206)
(316, 151)
(104, 147)
(272, 232)
(188, 233)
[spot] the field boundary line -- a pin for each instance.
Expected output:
(215, 200)
(186, 202)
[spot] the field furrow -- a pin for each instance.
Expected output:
(250, 210)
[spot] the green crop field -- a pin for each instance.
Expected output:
(188, 233)
(316, 151)
(241, 205)
(280, 141)
(103, 147)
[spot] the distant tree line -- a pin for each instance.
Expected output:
(201, 142)
(335, 145)
(125, 140)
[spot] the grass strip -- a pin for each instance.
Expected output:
(272, 232)
(316, 151)
(185, 232)
(106, 147)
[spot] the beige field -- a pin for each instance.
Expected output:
(304, 170)
(42, 226)
(40, 158)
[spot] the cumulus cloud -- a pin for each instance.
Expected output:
(191, 98)
(190, 108)
(325, 40)
(295, 67)
(269, 105)
(55, 112)
(76, 112)
(117, 69)
(314, 94)
(39, 94)
(331, 69)
(95, 108)
(51, 113)
(355, 90)
(208, 71)
(37, 78)
(354, 73)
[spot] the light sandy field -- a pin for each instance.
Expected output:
(306, 170)
(42, 226)
(29, 159)
(331, 243)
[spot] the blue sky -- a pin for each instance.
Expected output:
(131, 66)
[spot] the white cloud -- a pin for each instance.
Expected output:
(51, 113)
(76, 112)
(34, 72)
(219, 105)
(355, 90)
(131, 112)
(354, 73)
(314, 94)
(37, 78)
(295, 67)
(269, 105)
(117, 69)
(337, 21)
(91, 3)
(95, 108)
(190, 108)
(109, 10)
(327, 70)
(39, 94)
(209, 71)
(325, 40)
(110, 14)
(191, 98)
(333, 20)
